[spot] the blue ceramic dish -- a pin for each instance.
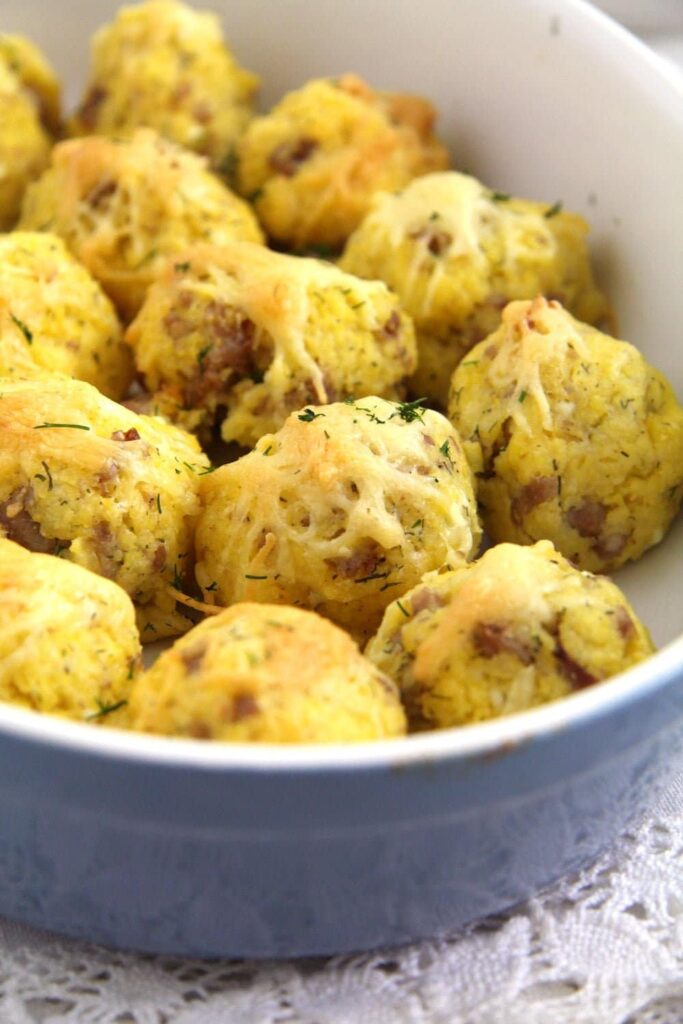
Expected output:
(184, 847)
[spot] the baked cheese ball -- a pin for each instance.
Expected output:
(117, 493)
(69, 645)
(270, 674)
(518, 628)
(29, 115)
(124, 207)
(54, 316)
(311, 165)
(572, 437)
(341, 510)
(455, 253)
(161, 64)
(252, 335)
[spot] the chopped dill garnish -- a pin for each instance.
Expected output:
(373, 576)
(250, 576)
(28, 334)
(307, 416)
(522, 396)
(500, 197)
(211, 587)
(410, 411)
(105, 709)
(407, 614)
(159, 504)
(553, 210)
(70, 426)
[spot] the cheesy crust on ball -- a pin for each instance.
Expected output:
(256, 334)
(69, 645)
(269, 674)
(572, 437)
(124, 207)
(163, 65)
(455, 253)
(344, 507)
(518, 628)
(54, 316)
(311, 165)
(117, 493)
(29, 117)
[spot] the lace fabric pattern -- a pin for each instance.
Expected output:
(604, 947)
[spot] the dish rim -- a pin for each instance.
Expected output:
(459, 743)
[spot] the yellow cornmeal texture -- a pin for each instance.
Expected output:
(340, 511)
(269, 674)
(29, 116)
(311, 165)
(54, 316)
(119, 498)
(124, 207)
(68, 642)
(455, 253)
(163, 65)
(518, 628)
(572, 437)
(257, 335)
(37, 78)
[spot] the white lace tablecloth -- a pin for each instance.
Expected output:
(605, 947)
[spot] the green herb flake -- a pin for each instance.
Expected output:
(105, 709)
(373, 576)
(553, 210)
(402, 609)
(268, 450)
(522, 396)
(68, 426)
(159, 504)
(181, 268)
(205, 472)
(49, 475)
(470, 362)
(211, 587)
(250, 576)
(445, 449)
(308, 415)
(500, 197)
(358, 305)
(28, 334)
(410, 411)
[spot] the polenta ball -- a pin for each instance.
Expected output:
(270, 674)
(124, 207)
(29, 115)
(341, 510)
(163, 65)
(572, 437)
(68, 644)
(518, 628)
(37, 78)
(89, 480)
(54, 316)
(455, 253)
(311, 165)
(253, 334)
